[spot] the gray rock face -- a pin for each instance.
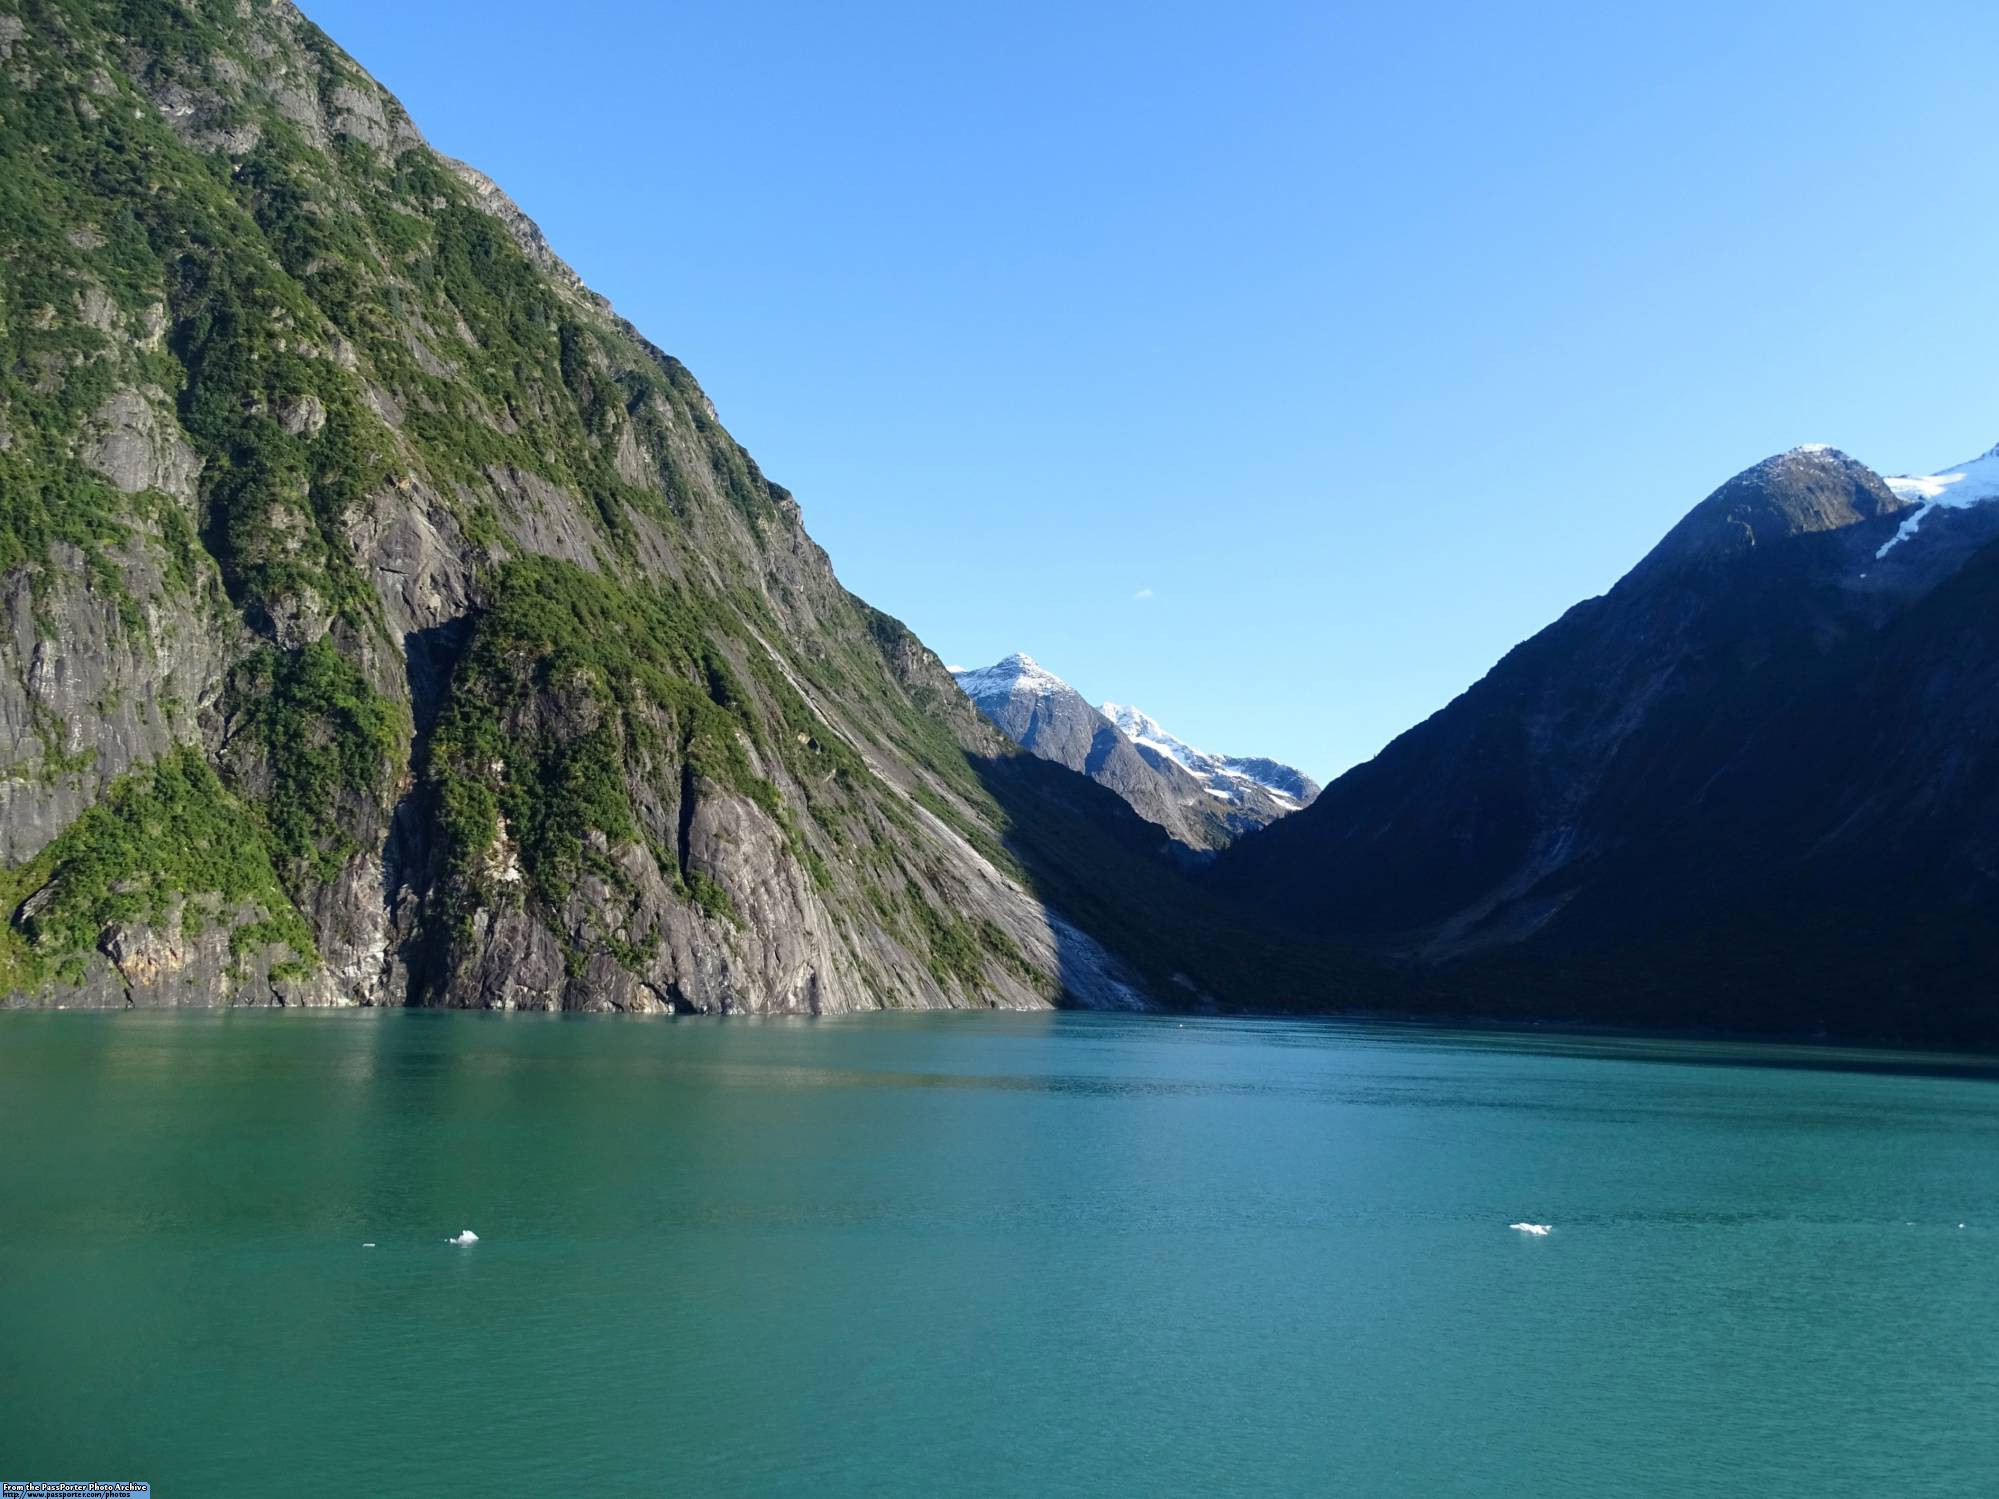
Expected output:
(90, 694)
(352, 482)
(137, 449)
(778, 948)
(184, 961)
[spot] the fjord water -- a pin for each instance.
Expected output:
(986, 1253)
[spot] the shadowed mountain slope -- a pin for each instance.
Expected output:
(1754, 785)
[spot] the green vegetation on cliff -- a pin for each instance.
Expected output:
(323, 731)
(165, 834)
(575, 692)
(478, 614)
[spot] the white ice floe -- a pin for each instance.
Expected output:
(369, 1245)
(1959, 488)
(465, 1236)
(1538, 1230)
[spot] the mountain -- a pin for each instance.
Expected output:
(1256, 789)
(1201, 801)
(389, 622)
(1042, 713)
(1755, 785)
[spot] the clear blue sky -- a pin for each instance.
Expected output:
(1273, 366)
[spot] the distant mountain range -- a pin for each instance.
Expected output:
(1755, 785)
(1249, 781)
(1201, 800)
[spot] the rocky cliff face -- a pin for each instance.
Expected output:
(388, 621)
(1755, 785)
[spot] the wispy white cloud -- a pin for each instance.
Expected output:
(1143, 593)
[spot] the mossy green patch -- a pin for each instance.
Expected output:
(168, 831)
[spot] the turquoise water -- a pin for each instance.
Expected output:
(1054, 1254)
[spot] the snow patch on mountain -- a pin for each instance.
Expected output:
(1016, 675)
(1188, 791)
(1225, 777)
(1959, 488)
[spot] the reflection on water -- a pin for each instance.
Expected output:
(1015, 1253)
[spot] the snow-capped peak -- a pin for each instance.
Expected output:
(1958, 488)
(1018, 673)
(1130, 752)
(1226, 777)
(1143, 728)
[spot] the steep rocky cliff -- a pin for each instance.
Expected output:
(389, 622)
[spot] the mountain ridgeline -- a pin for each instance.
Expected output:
(1754, 786)
(389, 622)
(1200, 801)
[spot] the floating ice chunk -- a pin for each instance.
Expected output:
(1538, 1230)
(465, 1236)
(369, 1245)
